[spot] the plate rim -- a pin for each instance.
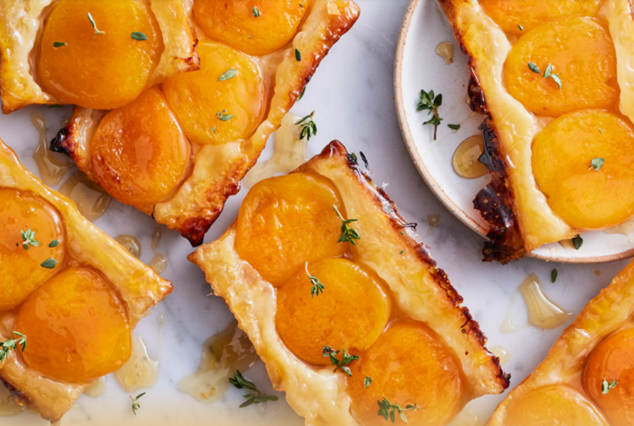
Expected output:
(428, 177)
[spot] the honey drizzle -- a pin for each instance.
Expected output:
(445, 51)
(98, 388)
(158, 263)
(91, 200)
(542, 312)
(8, 407)
(289, 152)
(626, 228)
(501, 353)
(157, 234)
(433, 220)
(51, 165)
(222, 354)
(130, 243)
(466, 418)
(140, 371)
(465, 159)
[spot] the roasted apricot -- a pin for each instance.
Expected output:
(609, 377)
(553, 405)
(139, 152)
(222, 101)
(582, 162)
(76, 326)
(286, 221)
(350, 313)
(409, 365)
(98, 66)
(580, 53)
(256, 27)
(519, 16)
(22, 252)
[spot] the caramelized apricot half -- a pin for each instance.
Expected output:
(76, 326)
(222, 101)
(409, 365)
(580, 53)
(139, 152)
(256, 27)
(518, 16)
(583, 163)
(553, 405)
(21, 256)
(609, 377)
(100, 66)
(350, 314)
(286, 221)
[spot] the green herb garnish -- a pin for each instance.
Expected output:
(223, 116)
(533, 67)
(348, 235)
(301, 95)
(135, 402)
(430, 102)
(388, 410)
(606, 386)
(367, 381)
(254, 396)
(317, 286)
(298, 55)
(58, 44)
(520, 27)
(577, 242)
(596, 163)
(230, 73)
(54, 243)
(309, 128)
(553, 275)
(94, 25)
(213, 130)
(256, 12)
(548, 73)
(10, 345)
(49, 263)
(139, 36)
(454, 126)
(346, 359)
(28, 239)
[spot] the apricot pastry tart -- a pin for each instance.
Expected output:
(587, 379)
(181, 149)
(70, 296)
(555, 83)
(96, 54)
(320, 269)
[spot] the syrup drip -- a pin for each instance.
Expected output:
(222, 355)
(567, 244)
(131, 244)
(465, 158)
(98, 388)
(466, 418)
(289, 152)
(158, 263)
(433, 220)
(445, 51)
(156, 237)
(542, 312)
(52, 165)
(8, 407)
(140, 371)
(91, 200)
(626, 228)
(501, 353)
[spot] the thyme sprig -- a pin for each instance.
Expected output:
(11, 344)
(135, 402)
(430, 102)
(309, 128)
(254, 396)
(606, 386)
(317, 286)
(346, 359)
(28, 239)
(388, 410)
(94, 25)
(348, 235)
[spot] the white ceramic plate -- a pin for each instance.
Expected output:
(417, 67)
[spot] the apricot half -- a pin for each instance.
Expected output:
(20, 260)
(350, 314)
(256, 27)
(581, 54)
(513, 14)
(100, 66)
(286, 221)
(553, 405)
(408, 365)
(76, 326)
(139, 152)
(612, 362)
(222, 101)
(563, 154)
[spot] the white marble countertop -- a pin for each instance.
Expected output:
(352, 94)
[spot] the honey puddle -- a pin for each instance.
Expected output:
(289, 152)
(158, 263)
(91, 200)
(433, 220)
(567, 244)
(157, 234)
(626, 228)
(8, 407)
(501, 353)
(445, 51)
(140, 371)
(542, 312)
(222, 355)
(466, 418)
(465, 159)
(130, 243)
(52, 165)
(98, 388)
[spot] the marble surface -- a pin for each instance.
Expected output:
(352, 94)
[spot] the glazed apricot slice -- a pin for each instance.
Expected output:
(256, 27)
(350, 314)
(409, 365)
(222, 101)
(553, 405)
(582, 163)
(20, 260)
(286, 221)
(580, 52)
(100, 66)
(612, 362)
(139, 152)
(77, 327)
(519, 16)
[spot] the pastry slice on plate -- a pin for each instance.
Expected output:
(181, 149)
(555, 83)
(587, 379)
(70, 296)
(343, 303)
